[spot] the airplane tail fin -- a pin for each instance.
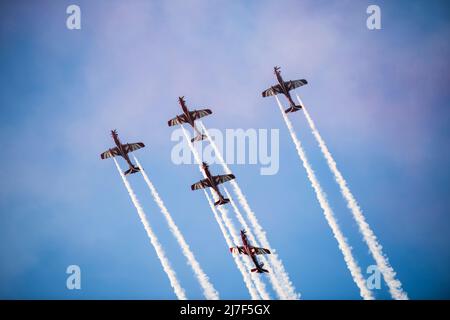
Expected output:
(198, 138)
(293, 108)
(131, 170)
(221, 201)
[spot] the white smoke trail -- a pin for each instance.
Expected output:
(219, 221)
(179, 291)
(284, 289)
(329, 216)
(198, 160)
(395, 286)
(208, 289)
(247, 280)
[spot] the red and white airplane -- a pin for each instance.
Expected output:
(212, 182)
(123, 150)
(190, 117)
(283, 87)
(252, 252)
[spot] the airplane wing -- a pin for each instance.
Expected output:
(272, 91)
(110, 153)
(295, 84)
(177, 120)
(202, 184)
(197, 114)
(223, 178)
(238, 250)
(130, 147)
(256, 250)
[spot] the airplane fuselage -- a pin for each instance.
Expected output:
(186, 112)
(188, 115)
(211, 181)
(283, 88)
(122, 152)
(248, 251)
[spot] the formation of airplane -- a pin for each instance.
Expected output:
(122, 150)
(212, 182)
(283, 87)
(251, 251)
(189, 117)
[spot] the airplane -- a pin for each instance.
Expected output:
(213, 182)
(189, 117)
(252, 252)
(283, 87)
(123, 150)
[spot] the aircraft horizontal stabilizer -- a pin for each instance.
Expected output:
(293, 109)
(221, 202)
(199, 138)
(131, 170)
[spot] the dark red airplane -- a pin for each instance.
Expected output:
(189, 117)
(213, 182)
(252, 252)
(123, 150)
(283, 87)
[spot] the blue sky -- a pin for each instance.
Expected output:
(379, 98)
